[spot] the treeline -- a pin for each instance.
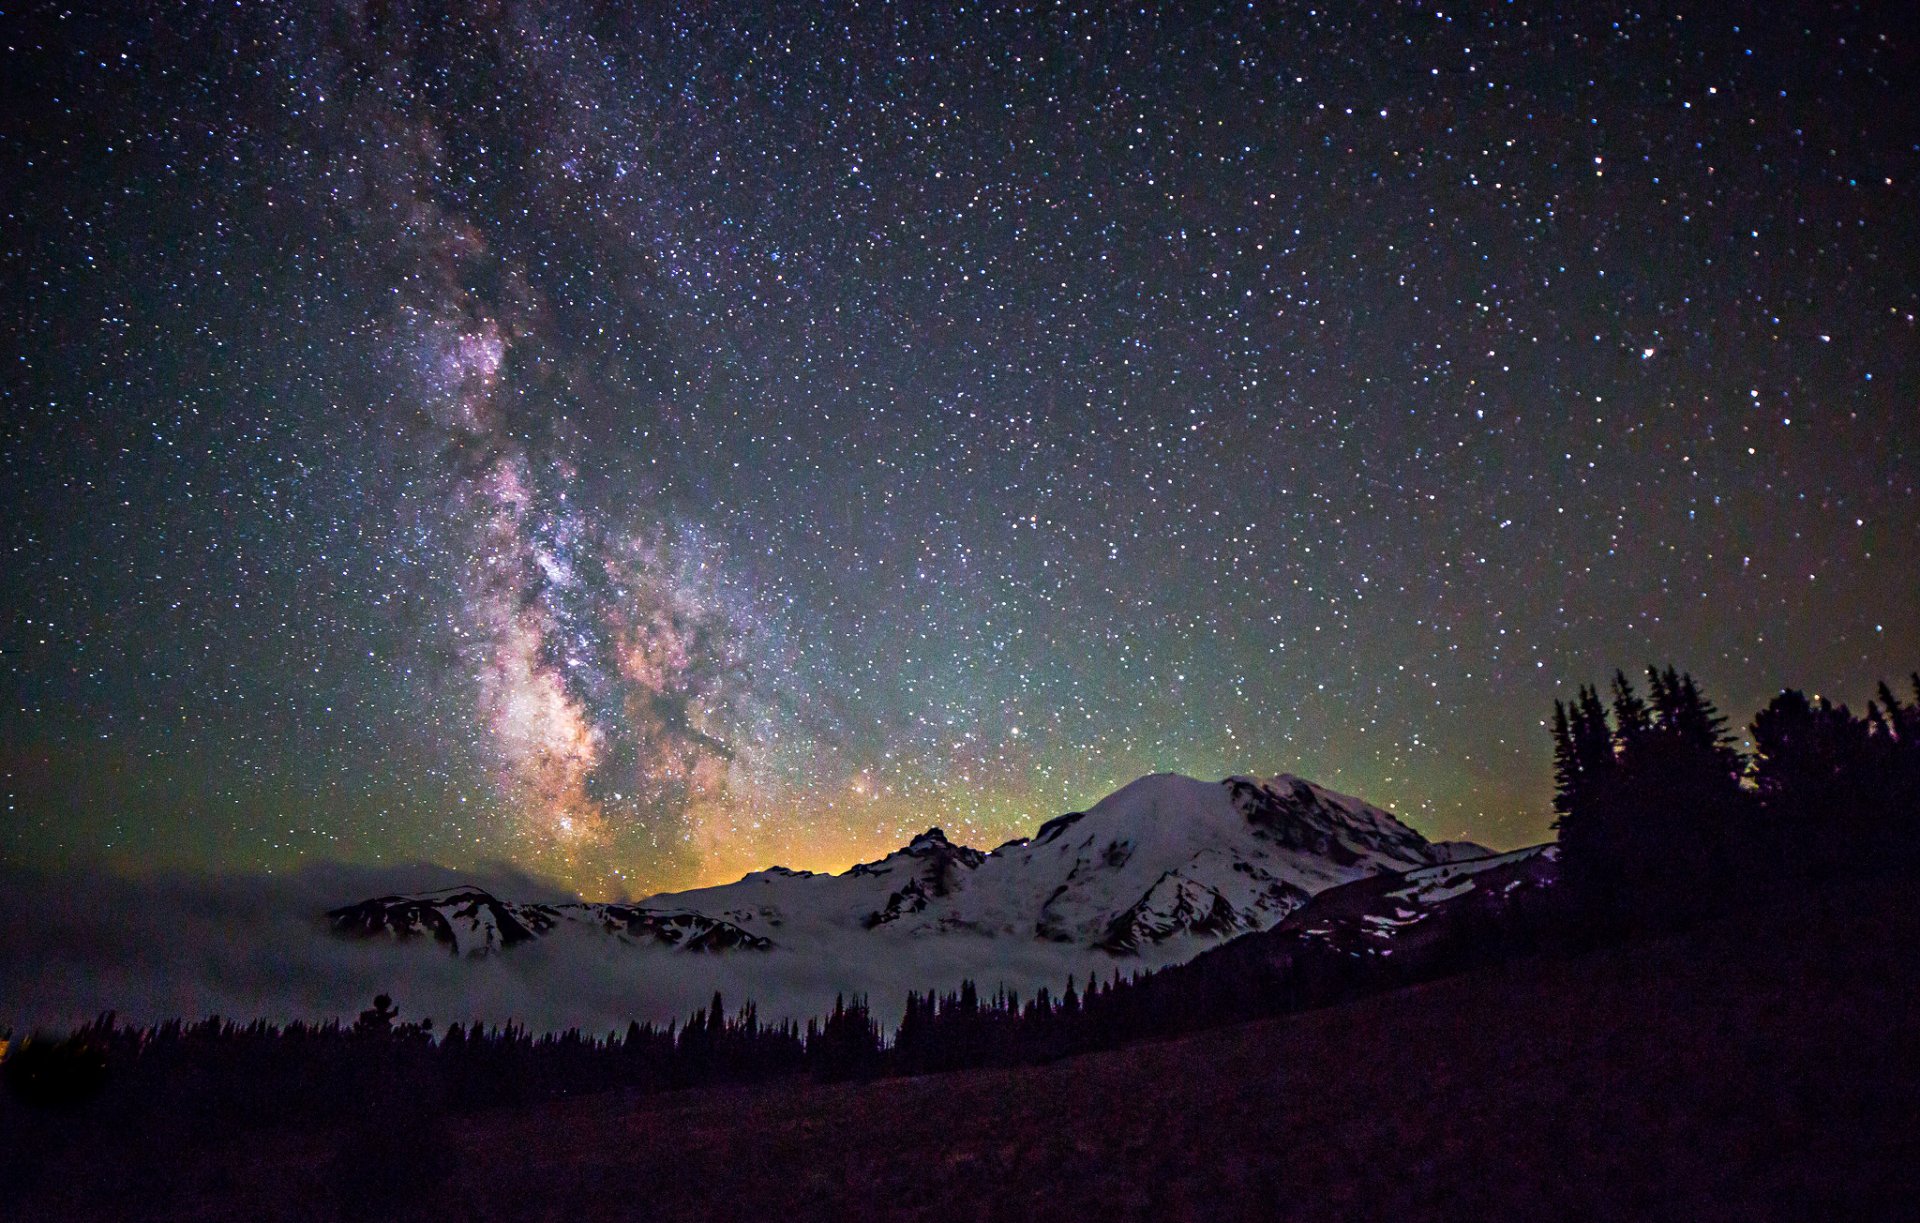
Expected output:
(259, 1072)
(1662, 817)
(389, 1078)
(1255, 976)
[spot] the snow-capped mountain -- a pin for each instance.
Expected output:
(1153, 873)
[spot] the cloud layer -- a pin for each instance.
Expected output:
(73, 945)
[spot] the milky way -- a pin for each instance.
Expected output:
(648, 445)
(606, 667)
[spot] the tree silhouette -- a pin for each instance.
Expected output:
(377, 1020)
(1648, 798)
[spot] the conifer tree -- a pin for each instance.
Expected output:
(1631, 718)
(1566, 766)
(1811, 759)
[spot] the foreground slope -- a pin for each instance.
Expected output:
(1763, 1066)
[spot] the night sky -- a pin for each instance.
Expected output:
(644, 447)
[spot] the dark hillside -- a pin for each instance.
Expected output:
(1762, 1066)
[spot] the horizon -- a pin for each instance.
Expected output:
(490, 874)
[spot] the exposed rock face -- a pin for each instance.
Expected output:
(932, 864)
(469, 921)
(461, 919)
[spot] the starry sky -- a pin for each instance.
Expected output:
(646, 443)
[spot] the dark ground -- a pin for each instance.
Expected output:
(1763, 1066)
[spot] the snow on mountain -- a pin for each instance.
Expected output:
(457, 917)
(1418, 920)
(1459, 851)
(1154, 873)
(1168, 860)
(1403, 913)
(471, 921)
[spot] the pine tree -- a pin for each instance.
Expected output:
(1903, 721)
(1566, 766)
(1682, 799)
(1809, 756)
(1592, 738)
(1584, 771)
(1631, 717)
(847, 1045)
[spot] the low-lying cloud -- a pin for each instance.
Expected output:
(160, 946)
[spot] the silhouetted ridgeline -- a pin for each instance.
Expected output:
(1662, 820)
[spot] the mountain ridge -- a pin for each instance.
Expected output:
(1160, 870)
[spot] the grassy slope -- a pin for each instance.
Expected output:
(1762, 1067)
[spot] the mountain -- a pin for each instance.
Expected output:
(1161, 869)
(1387, 929)
(1405, 913)
(472, 920)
